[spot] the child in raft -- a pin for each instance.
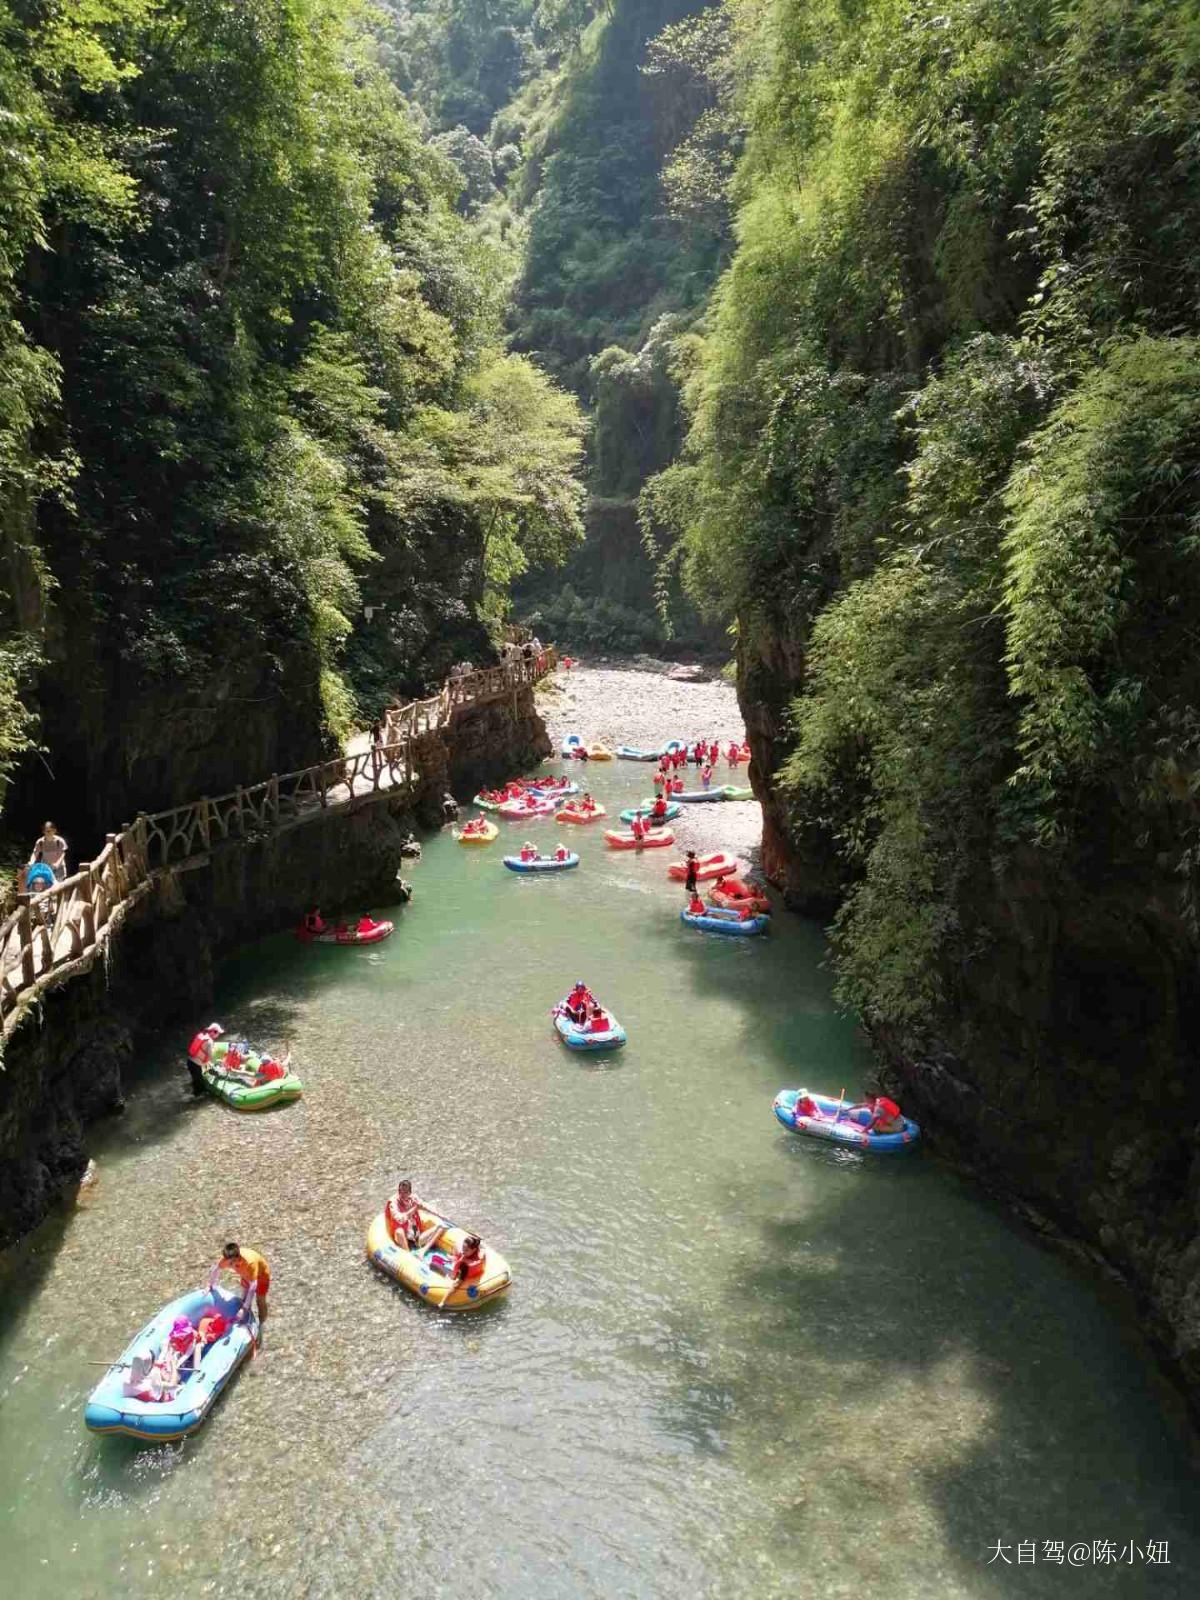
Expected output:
(467, 1263)
(403, 1216)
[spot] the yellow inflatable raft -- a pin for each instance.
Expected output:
(489, 832)
(412, 1269)
(599, 752)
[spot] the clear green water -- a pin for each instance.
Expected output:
(733, 1362)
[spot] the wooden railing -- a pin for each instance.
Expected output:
(57, 927)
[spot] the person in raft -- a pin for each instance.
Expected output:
(314, 922)
(885, 1114)
(578, 1001)
(658, 811)
(587, 803)
(254, 1274)
(475, 826)
(693, 873)
(562, 853)
(598, 1022)
(696, 906)
(805, 1106)
(403, 1214)
(529, 851)
(468, 1262)
(50, 848)
(638, 827)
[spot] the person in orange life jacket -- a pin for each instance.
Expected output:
(254, 1273)
(270, 1070)
(467, 1265)
(314, 922)
(403, 1214)
(200, 1055)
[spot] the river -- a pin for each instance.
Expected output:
(732, 1363)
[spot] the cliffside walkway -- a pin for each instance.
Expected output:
(57, 932)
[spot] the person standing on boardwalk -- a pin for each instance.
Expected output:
(50, 848)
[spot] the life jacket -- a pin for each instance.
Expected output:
(696, 906)
(402, 1223)
(271, 1072)
(200, 1048)
(474, 1268)
(599, 1024)
(807, 1107)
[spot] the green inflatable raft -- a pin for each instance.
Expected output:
(237, 1091)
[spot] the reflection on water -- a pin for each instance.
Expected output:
(732, 1363)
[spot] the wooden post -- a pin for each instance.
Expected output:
(241, 812)
(140, 834)
(120, 879)
(87, 892)
(273, 796)
(25, 936)
(204, 813)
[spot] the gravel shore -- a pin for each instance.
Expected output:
(629, 705)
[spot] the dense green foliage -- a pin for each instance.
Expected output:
(943, 448)
(251, 375)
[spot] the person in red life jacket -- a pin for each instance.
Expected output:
(696, 906)
(562, 853)
(403, 1214)
(692, 875)
(587, 803)
(200, 1055)
(714, 752)
(365, 924)
(599, 1022)
(659, 781)
(805, 1106)
(529, 851)
(734, 754)
(638, 828)
(658, 811)
(211, 1327)
(467, 1266)
(578, 1001)
(271, 1071)
(676, 786)
(885, 1116)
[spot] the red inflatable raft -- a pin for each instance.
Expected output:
(652, 841)
(731, 894)
(716, 865)
(374, 934)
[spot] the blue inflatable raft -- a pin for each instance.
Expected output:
(672, 745)
(577, 1038)
(570, 744)
(696, 797)
(110, 1410)
(715, 920)
(628, 753)
(542, 864)
(672, 812)
(558, 792)
(836, 1122)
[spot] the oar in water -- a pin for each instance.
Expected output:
(841, 1097)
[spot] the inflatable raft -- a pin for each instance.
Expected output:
(599, 752)
(485, 836)
(571, 813)
(627, 753)
(551, 789)
(375, 934)
(731, 792)
(527, 810)
(110, 1410)
(625, 841)
(571, 746)
(698, 797)
(674, 745)
(541, 864)
(414, 1269)
(727, 922)
(731, 894)
(831, 1122)
(577, 1038)
(235, 1091)
(717, 864)
(674, 809)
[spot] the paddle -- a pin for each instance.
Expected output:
(841, 1097)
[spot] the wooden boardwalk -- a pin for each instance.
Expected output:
(56, 933)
